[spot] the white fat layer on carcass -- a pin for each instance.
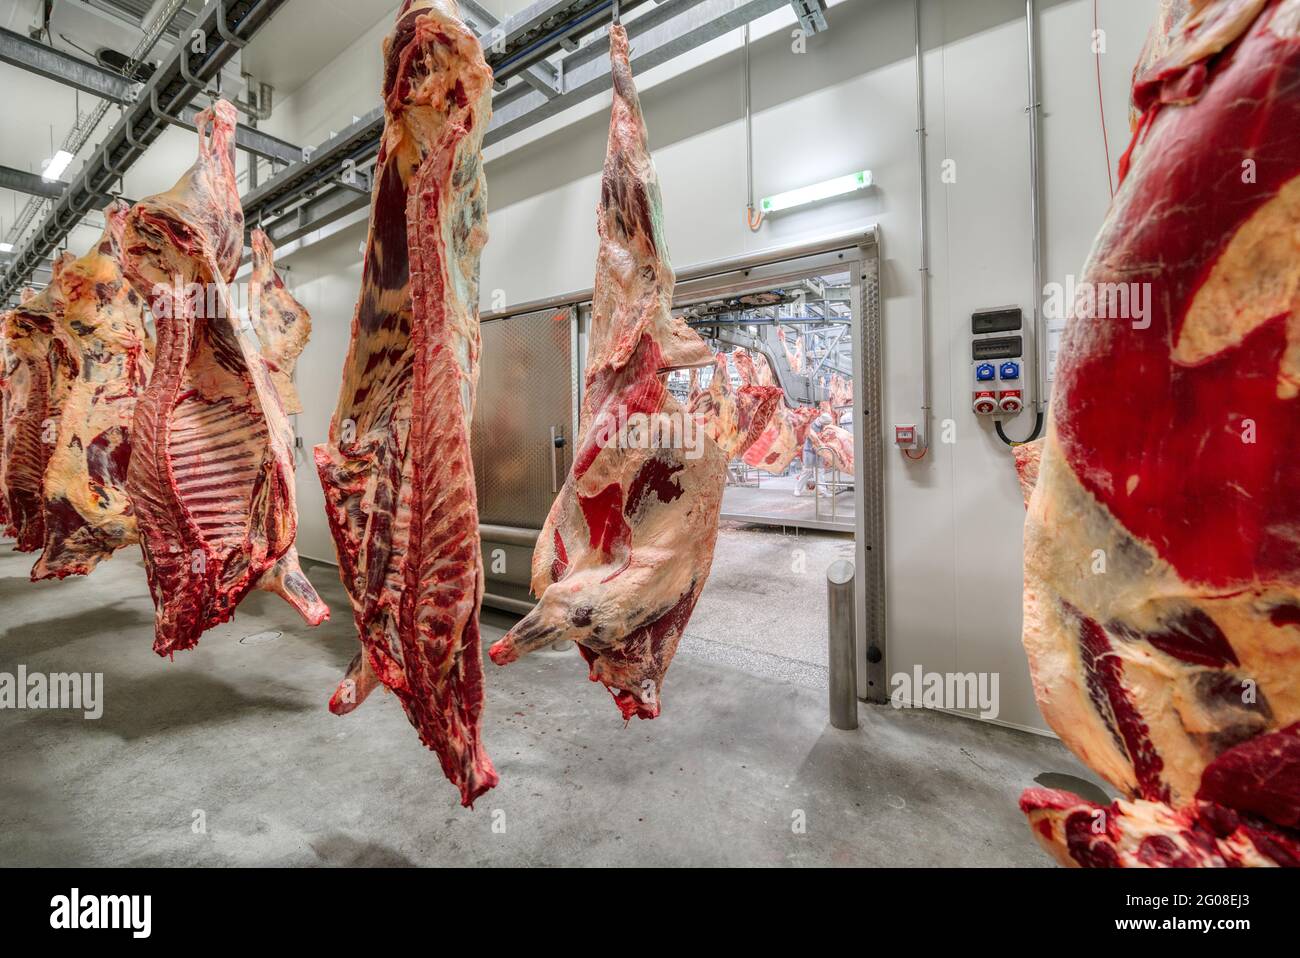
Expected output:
(1255, 280)
(1067, 534)
(1286, 20)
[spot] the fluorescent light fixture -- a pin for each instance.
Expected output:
(54, 169)
(6, 247)
(818, 191)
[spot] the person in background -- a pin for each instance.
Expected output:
(806, 482)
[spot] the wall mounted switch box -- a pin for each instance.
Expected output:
(1007, 319)
(997, 361)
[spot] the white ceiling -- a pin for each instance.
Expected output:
(305, 35)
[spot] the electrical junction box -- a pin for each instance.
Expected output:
(997, 361)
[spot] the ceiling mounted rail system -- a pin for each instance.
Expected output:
(227, 25)
(332, 184)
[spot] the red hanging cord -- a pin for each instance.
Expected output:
(1101, 99)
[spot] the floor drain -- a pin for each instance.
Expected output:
(260, 637)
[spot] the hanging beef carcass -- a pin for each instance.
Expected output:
(733, 418)
(1169, 14)
(8, 363)
(841, 392)
(753, 372)
(782, 440)
(397, 471)
(37, 378)
(88, 515)
(793, 355)
(282, 325)
(1162, 564)
(211, 472)
(834, 446)
(628, 545)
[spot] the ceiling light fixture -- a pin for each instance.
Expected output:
(6, 247)
(818, 191)
(54, 169)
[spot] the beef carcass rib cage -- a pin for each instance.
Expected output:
(9, 360)
(397, 470)
(628, 545)
(282, 325)
(1162, 566)
(211, 471)
(87, 513)
(36, 379)
(733, 418)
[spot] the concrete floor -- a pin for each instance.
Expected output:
(764, 608)
(774, 499)
(238, 734)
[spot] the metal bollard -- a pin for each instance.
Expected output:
(843, 654)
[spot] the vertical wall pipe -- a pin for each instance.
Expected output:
(1036, 205)
(922, 170)
(749, 134)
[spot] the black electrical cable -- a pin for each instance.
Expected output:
(1038, 428)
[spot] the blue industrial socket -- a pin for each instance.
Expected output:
(1010, 371)
(985, 373)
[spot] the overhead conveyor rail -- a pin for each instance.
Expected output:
(19, 51)
(227, 25)
(313, 194)
(322, 185)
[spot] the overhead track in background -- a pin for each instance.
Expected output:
(19, 51)
(20, 181)
(227, 25)
(61, 67)
(331, 181)
(310, 195)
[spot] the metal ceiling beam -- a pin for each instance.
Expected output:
(669, 30)
(17, 50)
(673, 27)
(32, 184)
(541, 76)
(227, 25)
(812, 16)
(518, 36)
(63, 68)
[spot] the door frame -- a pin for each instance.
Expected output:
(859, 250)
